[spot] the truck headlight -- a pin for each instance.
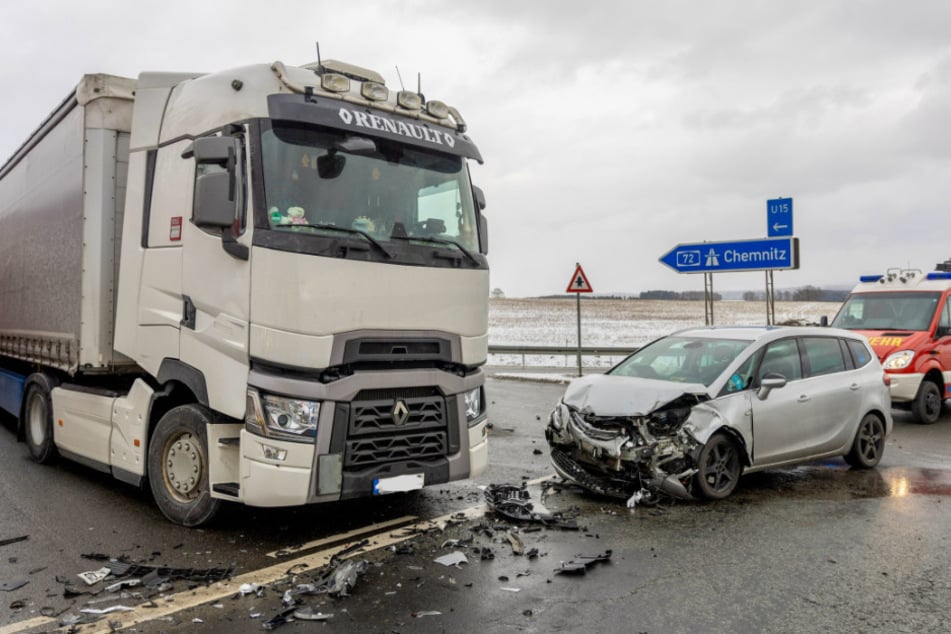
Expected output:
(557, 417)
(475, 408)
(899, 360)
(281, 418)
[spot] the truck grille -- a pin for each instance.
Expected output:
(394, 426)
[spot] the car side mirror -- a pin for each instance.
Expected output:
(771, 381)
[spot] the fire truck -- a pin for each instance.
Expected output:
(906, 315)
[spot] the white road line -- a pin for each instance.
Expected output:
(373, 528)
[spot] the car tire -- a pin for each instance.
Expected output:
(178, 466)
(38, 424)
(718, 467)
(869, 443)
(926, 407)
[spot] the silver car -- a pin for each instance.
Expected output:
(688, 413)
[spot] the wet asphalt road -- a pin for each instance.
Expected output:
(813, 548)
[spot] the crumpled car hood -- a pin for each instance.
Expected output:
(604, 395)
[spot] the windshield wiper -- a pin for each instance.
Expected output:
(351, 231)
(445, 241)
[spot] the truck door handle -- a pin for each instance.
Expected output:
(188, 312)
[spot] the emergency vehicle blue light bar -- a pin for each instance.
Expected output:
(870, 278)
(939, 275)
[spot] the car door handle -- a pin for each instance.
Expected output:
(804, 398)
(854, 386)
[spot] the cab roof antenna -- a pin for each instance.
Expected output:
(320, 66)
(400, 78)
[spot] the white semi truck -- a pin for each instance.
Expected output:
(266, 285)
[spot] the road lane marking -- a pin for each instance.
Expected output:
(373, 528)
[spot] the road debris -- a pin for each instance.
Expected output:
(308, 614)
(92, 577)
(515, 503)
(13, 540)
(9, 585)
(579, 565)
(455, 558)
(109, 610)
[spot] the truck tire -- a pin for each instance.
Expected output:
(38, 424)
(926, 407)
(178, 466)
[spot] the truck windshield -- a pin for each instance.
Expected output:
(321, 182)
(887, 311)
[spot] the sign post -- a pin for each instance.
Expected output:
(579, 284)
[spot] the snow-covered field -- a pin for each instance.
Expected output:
(620, 323)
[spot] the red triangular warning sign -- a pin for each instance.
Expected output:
(579, 283)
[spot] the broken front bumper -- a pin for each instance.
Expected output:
(615, 463)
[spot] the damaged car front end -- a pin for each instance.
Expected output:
(647, 447)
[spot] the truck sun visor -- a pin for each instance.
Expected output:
(345, 116)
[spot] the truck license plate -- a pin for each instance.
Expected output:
(398, 484)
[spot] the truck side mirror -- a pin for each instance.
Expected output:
(212, 207)
(483, 235)
(478, 197)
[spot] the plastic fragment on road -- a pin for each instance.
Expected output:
(109, 610)
(579, 565)
(308, 614)
(518, 548)
(455, 558)
(250, 588)
(12, 584)
(92, 577)
(125, 583)
(635, 499)
(13, 540)
(508, 589)
(514, 502)
(421, 613)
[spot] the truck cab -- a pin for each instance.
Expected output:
(906, 315)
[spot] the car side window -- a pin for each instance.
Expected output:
(781, 357)
(823, 355)
(742, 378)
(860, 353)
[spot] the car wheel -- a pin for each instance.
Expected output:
(178, 466)
(718, 468)
(927, 404)
(869, 443)
(38, 424)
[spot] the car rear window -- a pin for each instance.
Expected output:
(860, 353)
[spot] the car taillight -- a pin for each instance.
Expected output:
(886, 379)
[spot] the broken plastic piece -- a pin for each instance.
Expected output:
(12, 584)
(579, 565)
(455, 558)
(422, 613)
(308, 614)
(515, 503)
(109, 610)
(125, 583)
(93, 577)
(13, 540)
(518, 547)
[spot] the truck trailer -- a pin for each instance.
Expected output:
(266, 285)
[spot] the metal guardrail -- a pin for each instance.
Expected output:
(586, 351)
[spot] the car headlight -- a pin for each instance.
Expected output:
(899, 360)
(475, 408)
(557, 417)
(282, 418)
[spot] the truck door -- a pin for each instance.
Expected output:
(216, 272)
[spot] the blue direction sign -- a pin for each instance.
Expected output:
(741, 255)
(779, 217)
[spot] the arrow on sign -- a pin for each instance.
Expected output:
(741, 255)
(778, 227)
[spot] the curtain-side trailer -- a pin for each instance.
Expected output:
(266, 285)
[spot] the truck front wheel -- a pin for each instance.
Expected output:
(926, 407)
(178, 466)
(38, 424)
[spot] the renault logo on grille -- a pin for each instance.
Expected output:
(400, 412)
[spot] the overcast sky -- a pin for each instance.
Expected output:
(611, 131)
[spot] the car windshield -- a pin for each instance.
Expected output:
(682, 359)
(888, 311)
(320, 181)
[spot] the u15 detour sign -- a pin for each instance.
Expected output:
(740, 255)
